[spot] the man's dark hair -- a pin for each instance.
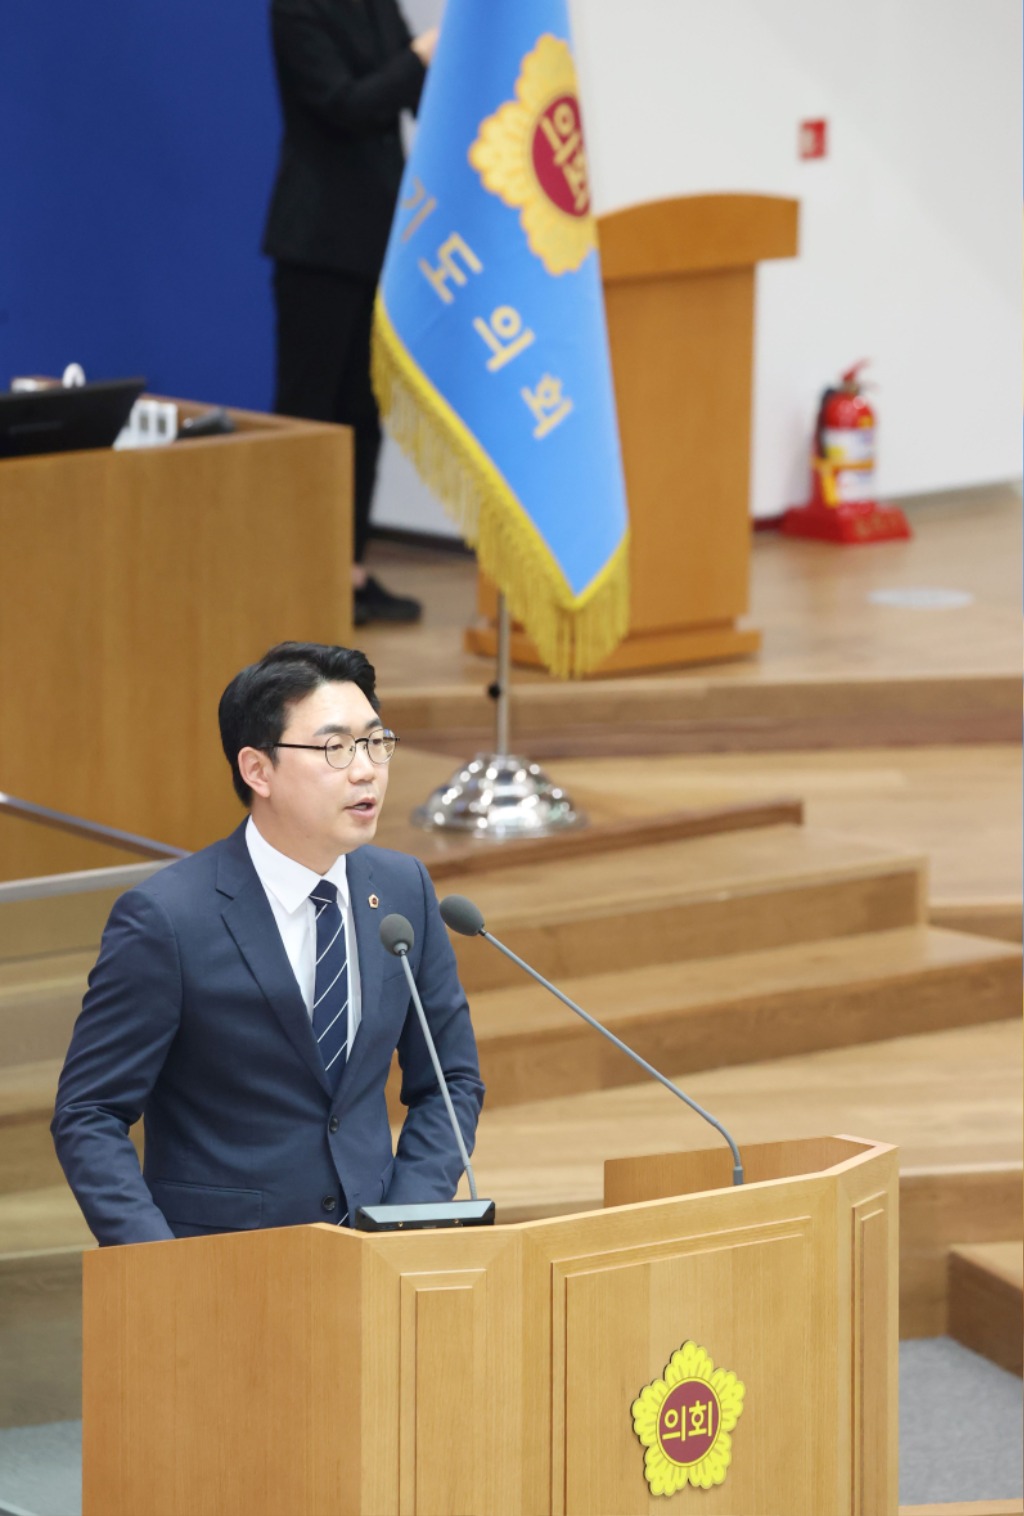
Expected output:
(253, 710)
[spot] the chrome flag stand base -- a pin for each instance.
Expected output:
(499, 795)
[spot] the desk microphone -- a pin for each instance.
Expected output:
(461, 915)
(397, 936)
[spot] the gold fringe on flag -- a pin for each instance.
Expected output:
(572, 634)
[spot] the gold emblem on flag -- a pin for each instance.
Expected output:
(684, 1420)
(530, 154)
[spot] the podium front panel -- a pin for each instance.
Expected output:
(494, 1371)
(738, 1288)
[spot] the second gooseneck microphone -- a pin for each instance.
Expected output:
(461, 915)
(397, 936)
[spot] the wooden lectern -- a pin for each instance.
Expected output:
(322, 1372)
(679, 296)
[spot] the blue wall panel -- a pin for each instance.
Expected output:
(140, 146)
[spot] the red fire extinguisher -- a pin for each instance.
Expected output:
(842, 507)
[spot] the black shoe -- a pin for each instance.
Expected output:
(374, 603)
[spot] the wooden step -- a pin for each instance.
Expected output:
(41, 1337)
(733, 710)
(696, 898)
(742, 1008)
(677, 900)
(42, 1238)
(979, 1202)
(1000, 918)
(986, 1300)
(40, 997)
(966, 1508)
(27, 1158)
(611, 825)
(63, 912)
(948, 1099)
(704, 1014)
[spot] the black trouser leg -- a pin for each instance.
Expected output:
(324, 322)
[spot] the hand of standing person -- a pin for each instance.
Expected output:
(423, 45)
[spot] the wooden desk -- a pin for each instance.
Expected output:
(133, 585)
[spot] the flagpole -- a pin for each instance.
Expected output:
(500, 796)
(501, 684)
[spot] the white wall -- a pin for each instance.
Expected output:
(910, 228)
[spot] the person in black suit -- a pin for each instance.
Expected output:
(346, 69)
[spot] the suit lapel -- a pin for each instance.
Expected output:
(367, 920)
(249, 919)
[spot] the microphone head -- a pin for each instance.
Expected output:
(397, 935)
(461, 915)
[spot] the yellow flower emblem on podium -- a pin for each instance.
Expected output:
(530, 154)
(684, 1420)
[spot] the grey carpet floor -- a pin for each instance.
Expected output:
(960, 1426)
(960, 1439)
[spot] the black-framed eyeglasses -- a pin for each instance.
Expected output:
(340, 749)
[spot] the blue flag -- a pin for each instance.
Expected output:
(490, 352)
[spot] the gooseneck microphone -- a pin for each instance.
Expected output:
(397, 936)
(461, 915)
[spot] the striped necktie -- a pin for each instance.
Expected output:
(330, 993)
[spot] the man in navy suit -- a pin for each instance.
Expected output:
(254, 1036)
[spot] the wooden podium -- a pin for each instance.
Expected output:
(491, 1372)
(133, 585)
(679, 291)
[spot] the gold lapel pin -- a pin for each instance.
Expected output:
(374, 902)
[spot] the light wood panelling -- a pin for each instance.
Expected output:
(986, 1300)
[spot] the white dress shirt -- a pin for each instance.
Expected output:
(288, 885)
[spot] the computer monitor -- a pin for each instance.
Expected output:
(59, 420)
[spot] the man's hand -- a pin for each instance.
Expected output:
(423, 46)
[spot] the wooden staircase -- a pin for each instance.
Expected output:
(741, 1008)
(761, 949)
(719, 950)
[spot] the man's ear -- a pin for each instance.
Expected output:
(256, 768)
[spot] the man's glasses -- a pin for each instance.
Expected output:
(340, 750)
